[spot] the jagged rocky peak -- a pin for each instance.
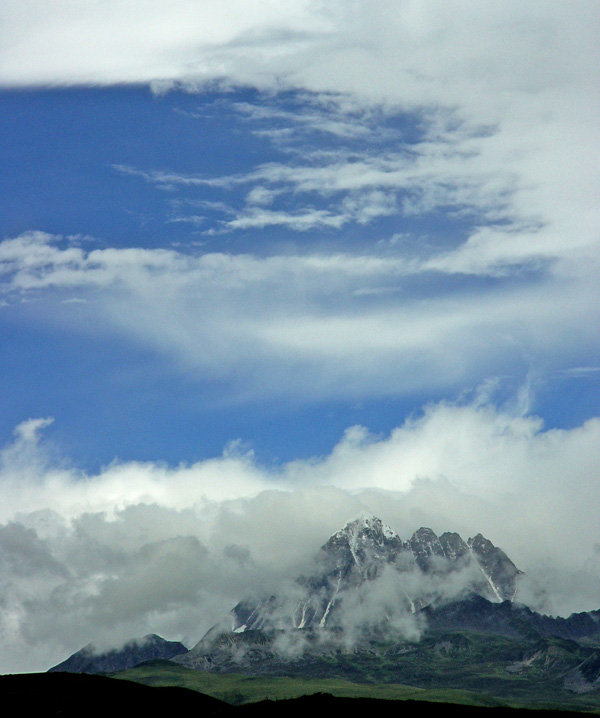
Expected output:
(499, 571)
(366, 525)
(425, 544)
(363, 551)
(366, 533)
(365, 545)
(455, 549)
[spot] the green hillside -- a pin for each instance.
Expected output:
(490, 687)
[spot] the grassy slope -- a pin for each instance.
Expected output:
(237, 688)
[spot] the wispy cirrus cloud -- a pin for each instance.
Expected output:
(342, 325)
(485, 175)
(505, 101)
(351, 184)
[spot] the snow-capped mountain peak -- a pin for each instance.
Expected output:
(362, 552)
(364, 544)
(367, 522)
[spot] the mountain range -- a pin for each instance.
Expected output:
(428, 611)
(365, 554)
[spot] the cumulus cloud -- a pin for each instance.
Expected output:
(93, 557)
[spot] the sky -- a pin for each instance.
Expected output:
(264, 266)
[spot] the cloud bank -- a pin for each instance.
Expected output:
(144, 547)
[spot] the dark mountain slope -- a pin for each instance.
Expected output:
(134, 652)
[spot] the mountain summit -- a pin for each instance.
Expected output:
(365, 586)
(365, 554)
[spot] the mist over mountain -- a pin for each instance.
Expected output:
(366, 568)
(164, 557)
(380, 608)
(430, 611)
(365, 580)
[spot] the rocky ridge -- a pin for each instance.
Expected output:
(426, 569)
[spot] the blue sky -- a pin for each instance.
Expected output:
(287, 262)
(80, 141)
(109, 168)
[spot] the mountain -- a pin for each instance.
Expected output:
(430, 611)
(433, 612)
(365, 554)
(90, 660)
(499, 651)
(476, 614)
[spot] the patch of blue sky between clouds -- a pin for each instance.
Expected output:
(328, 169)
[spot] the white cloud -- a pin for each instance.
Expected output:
(524, 186)
(28, 431)
(312, 319)
(506, 100)
(135, 41)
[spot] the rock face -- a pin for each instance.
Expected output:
(134, 652)
(367, 584)
(424, 569)
(499, 571)
(585, 677)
